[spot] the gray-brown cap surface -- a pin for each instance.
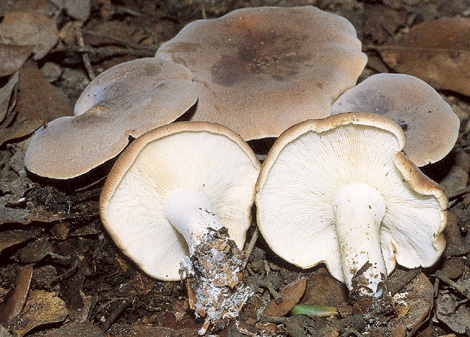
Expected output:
(430, 125)
(124, 101)
(261, 70)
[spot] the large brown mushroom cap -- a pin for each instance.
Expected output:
(261, 70)
(197, 159)
(430, 125)
(126, 100)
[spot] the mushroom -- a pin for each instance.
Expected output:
(178, 202)
(172, 184)
(431, 127)
(124, 101)
(261, 70)
(340, 191)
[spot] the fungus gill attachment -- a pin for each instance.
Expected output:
(340, 191)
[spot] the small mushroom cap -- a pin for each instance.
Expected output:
(311, 161)
(261, 70)
(431, 126)
(126, 100)
(196, 156)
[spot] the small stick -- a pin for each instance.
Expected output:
(251, 244)
(461, 290)
(85, 57)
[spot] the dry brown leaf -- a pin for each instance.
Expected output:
(40, 6)
(13, 237)
(437, 52)
(149, 331)
(29, 28)
(13, 57)
(323, 289)
(41, 308)
(382, 21)
(38, 102)
(10, 215)
(110, 33)
(11, 307)
(414, 303)
(79, 10)
(35, 251)
(291, 295)
(14, 215)
(7, 97)
(73, 329)
(454, 315)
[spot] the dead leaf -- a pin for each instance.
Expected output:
(29, 28)
(38, 102)
(13, 215)
(73, 329)
(325, 290)
(13, 57)
(437, 52)
(41, 308)
(35, 251)
(149, 331)
(452, 314)
(41, 6)
(79, 10)
(6, 93)
(291, 295)
(23, 216)
(14, 301)
(14, 237)
(414, 304)
(455, 180)
(110, 33)
(382, 21)
(453, 267)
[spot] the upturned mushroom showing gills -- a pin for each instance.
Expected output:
(267, 66)
(124, 101)
(171, 199)
(340, 191)
(431, 126)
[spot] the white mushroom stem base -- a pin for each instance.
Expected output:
(191, 214)
(359, 210)
(214, 269)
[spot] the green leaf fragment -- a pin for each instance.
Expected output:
(314, 310)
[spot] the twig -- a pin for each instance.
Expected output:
(273, 319)
(459, 193)
(251, 244)
(85, 57)
(121, 42)
(461, 290)
(394, 284)
(268, 285)
(107, 51)
(111, 318)
(68, 272)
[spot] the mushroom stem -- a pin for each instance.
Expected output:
(191, 214)
(359, 210)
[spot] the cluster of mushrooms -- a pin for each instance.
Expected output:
(340, 186)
